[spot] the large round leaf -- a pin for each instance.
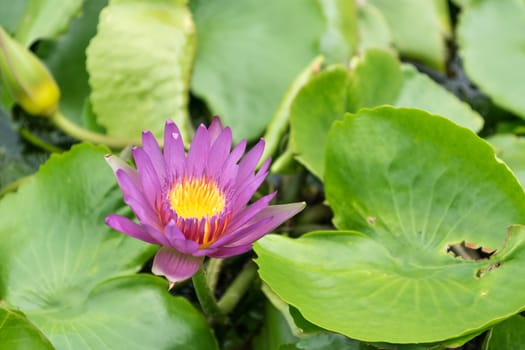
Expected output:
(53, 233)
(490, 35)
(413, 184)
(55, 251)
(139, 65)
(135, 312)
(248, 54)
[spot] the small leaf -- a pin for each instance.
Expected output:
(379, 78)
(321, 101)
(427, 42)
(280, 120)
(488, 31)
(339, 41)
(376, 79)
(139, 65)
(373, 28)
(511, 149)
(507, 335)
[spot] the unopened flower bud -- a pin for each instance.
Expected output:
(26, 78)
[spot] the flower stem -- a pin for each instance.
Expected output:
(213, 270)
(35, 140)
(206, 299)
(80, 133)
(237, 289)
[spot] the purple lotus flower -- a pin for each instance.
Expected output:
(195, 204)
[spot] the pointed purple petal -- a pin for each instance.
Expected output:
(174, 155)
(215, 129)
(219, 152)
(151, 147)
(148, 177)
(246, 190)
(249, 212)
(118, 164)
(230, 239)
(278, 215)
(175, 265)
(236, 153)
(262, 223)
(198, 153)
(128, 227)
(249, 161)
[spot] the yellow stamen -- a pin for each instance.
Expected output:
(196, 198)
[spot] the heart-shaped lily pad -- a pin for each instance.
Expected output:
(63, 267)
(413, 184)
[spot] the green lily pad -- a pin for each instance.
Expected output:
(17, 333)
(321, 101)
(248, 54)
(511, 149)
(339, 41)
(419, 28)
(413, 184)
(56, 256)
(490, 37)
(10, 14)
(66, 58)
(377, 79)
(45, 19)
(139, 65)
(61, 243)
(373, 28)
(508, 335)
(133, 312)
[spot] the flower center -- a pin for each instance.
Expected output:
(196, 198)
